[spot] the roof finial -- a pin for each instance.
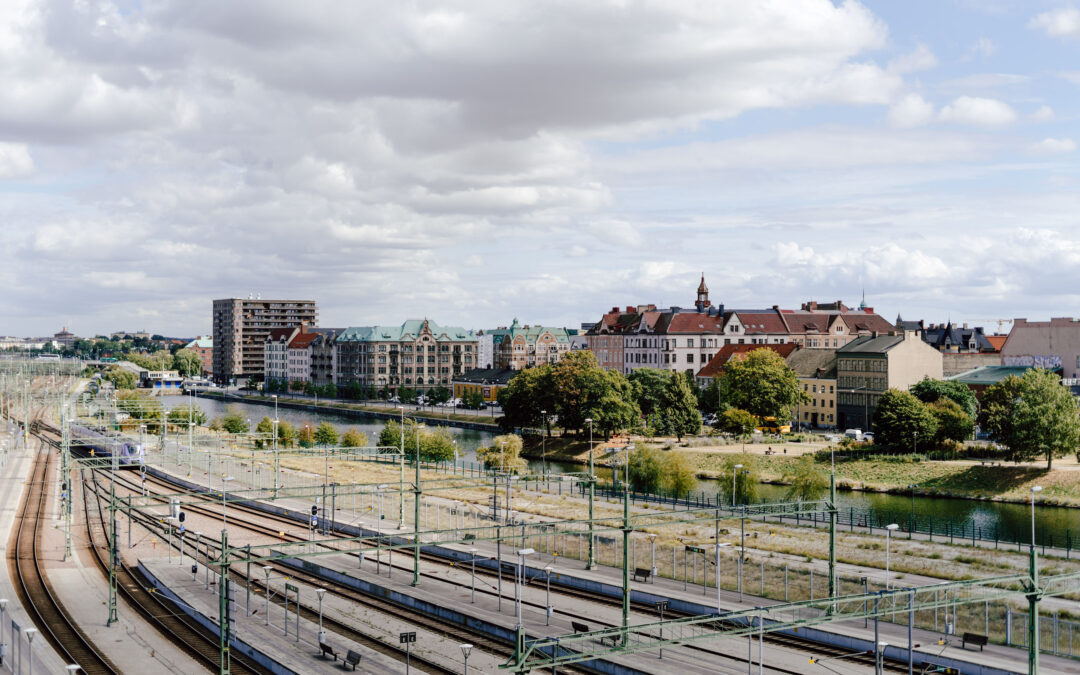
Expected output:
(862, 305)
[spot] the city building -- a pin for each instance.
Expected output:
(832, 325)
(718, 363)
(129, 335)
(816, 369)
(485, 349)
(276, 353)
(204, 347)
(867, 366)
(1053, 345)
(64, 339)
(240, 330)
(978, 379)
(323, 355)
(519, 347)
(419, 355)
(488, 382)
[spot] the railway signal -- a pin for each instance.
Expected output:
(407, 639)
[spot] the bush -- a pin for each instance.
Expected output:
(646, 468)
(354, 439)
(737, 422)
(504, 454)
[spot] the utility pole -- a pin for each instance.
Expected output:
(113, 557)
(832, 541)
(416, 513)
(627, 529)
(223, 607)
(592, 495)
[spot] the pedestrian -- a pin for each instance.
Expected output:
(785, 449)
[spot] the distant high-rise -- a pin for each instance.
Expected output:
(240, 330)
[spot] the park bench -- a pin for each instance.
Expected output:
(326, 650)
(579, 627)
(643, 572)
(470, 537)
(973, 638)
(351, 659)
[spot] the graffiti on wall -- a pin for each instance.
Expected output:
(1047, 361)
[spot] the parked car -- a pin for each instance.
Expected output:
(854, 434)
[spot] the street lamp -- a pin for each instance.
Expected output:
(322, 634)
(888, 537)
(266, 569)
(401, 468)
(518, 590)
(543, 443)
(378, 532)
(652, 548)
(465, 649)
(592, 495)
(30, 633)
(911, 519)
(734, 472)
(3, 643)
(1034, 489)
(547, 570)
(224, 480)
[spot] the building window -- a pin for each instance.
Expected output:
(690, 342)
(689, 358)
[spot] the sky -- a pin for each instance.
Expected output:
(476, 161)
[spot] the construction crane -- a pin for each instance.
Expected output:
(1000, 323)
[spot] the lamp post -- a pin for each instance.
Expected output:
(652, 549)
(30, 633)
(401, 468)
(734, 472)
(889, 529)
(1033, 599)
(519, 583)
(543, 443)
(1034, 489)
(3, 642)
(661, 605)
(473, 551)
(911, 518)
(465, 649)
(592, 495)
(224, 480)
(266, 569)
(322, 634)
(416, 512)
(378, 532)
(547, 570)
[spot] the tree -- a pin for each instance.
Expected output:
(678, 474)
(391, 434)
(763, 384)
(265, 428)
(329, 390)
(503, 455)
(806, 480)
(407, 395)
(182, 414)
(678, 408)
(325, 434)
(952, 422)
(354, 439)
(646, 468)
(745, 478)
(187, 362)
(737, 421)
(306, 436)
(439, 394)
(648, 387)
(355, 391)
(472, 399)
(995, 416)
(710, 400)
(527, 393)
(929, 391)
(287, 434)
(1044, 419)
(901, 421)
(615, 409)
(234, 422)
(138, 406)
(121, 378)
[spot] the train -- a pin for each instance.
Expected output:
(87, 442)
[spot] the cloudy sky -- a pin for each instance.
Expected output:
(474, 161)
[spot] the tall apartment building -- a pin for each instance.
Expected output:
(519, 347)
(241, 327)
(419, 355)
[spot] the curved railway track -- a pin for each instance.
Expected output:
(34, 590)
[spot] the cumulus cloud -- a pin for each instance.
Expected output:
(978, 111)
(1044, 114)
(1061, 22)
(15, 161)
(1054, 146)
(920, 58)
(911, 111)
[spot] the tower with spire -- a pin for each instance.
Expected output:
(702, 302)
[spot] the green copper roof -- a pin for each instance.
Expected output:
(987, 375)
(409, 330)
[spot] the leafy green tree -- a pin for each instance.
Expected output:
(326, 434)
(391, 434)
(120, 378)
(763, 384)
(234, 423)
(182, 414)
(265, 428)
(737, 421)
(952, 422)
(287, 434)
(615, 409)
(806, 480)
(440, 394)
(309, 389)
(678, 472)
(329, 390)
(503, 455)
(529, 392)
(678, 408)
(929, 391)
(902, 421)
(472, 399)
(354, 439)
(995, 416)
(407, 395)
(355, 391)
(187, 362)
(646, 468)
(710, 400)
(648, 388)
(745, 478)
(1045, 421)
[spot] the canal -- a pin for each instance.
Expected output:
(895, 508)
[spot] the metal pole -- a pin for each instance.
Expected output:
(910, 624)
(416, 513)
(223, 606)
(592, 494)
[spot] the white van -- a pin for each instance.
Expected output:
(854, 434)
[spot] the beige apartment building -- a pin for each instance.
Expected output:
(868, 366)
(241, 327)
(816, 369)
(419, 355)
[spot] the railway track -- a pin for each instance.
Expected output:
(33, 588)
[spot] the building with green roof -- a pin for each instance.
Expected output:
(419, 355)
(519, 347)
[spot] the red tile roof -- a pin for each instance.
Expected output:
(997, 341)
(762, 321)
(719, 362)
(303, 340)
(279, 334)
(692, 322)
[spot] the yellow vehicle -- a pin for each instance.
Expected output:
(769, 425)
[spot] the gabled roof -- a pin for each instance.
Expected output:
(497, 376)
(693, 322)
(756, 321)
(201, 342)
(303, 340)
(409, 330)
(813, 363)
(719, 362)
(868, 344)
(997, 341)
(282, 334)
(865, 322)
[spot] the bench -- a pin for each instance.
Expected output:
(643, 572)
(613, 639)
(326, 650)
(579, 627)
(973, 638)
(351, 659)
(469, 537)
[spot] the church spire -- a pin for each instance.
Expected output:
(702, 302)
